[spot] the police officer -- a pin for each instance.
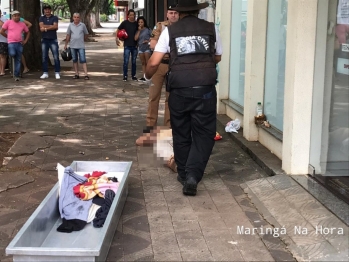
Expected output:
(195, 49)
(158, 79)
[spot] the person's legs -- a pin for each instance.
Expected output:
(142, 58)
(24, 63)
(54, 49)
(167, 121)
(18, 59)
(82, 59)
(155, 94)
(44, 49)
(147, 56)
(3, 57)
(2, 64)
(181, 131)
(203, 128)
(127, 52)
(15, 51)
(74, 54)
(134, 53)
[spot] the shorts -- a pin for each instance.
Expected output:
(142, 52)
(144, 48)
(78, 53)
(3, 48)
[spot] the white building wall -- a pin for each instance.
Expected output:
(299, 80)
(300, 57)
(257, 15)
(223, 23)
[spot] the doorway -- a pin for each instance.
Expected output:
(329, 153)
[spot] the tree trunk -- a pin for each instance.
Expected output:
(30, 11)
(63, 12)
(98, 20)
(84, 8)
(97, 11)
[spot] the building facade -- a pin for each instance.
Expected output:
(293, 57)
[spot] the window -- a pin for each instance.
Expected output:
(275, 63)
(238, 50)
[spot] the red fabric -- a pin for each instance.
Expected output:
(96, 184)
(95, 174)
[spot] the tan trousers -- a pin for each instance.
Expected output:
(154, 97)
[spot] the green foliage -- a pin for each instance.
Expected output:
(111, 10)
(103, 18)
(107, 7)
(57, 5)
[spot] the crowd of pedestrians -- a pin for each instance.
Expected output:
(14, 34)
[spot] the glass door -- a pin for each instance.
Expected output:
(329, 153)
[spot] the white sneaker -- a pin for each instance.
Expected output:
(57, 76)
(44, 75)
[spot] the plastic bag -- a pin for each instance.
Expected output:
(233, 126)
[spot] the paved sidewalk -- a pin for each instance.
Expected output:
(100, 119)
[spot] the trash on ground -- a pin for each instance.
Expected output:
(217, 137)
(233, 126)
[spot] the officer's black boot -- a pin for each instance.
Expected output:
(180, 179)
(190, 186)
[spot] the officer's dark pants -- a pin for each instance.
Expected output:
(193, 122)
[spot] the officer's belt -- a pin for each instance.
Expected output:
(165, 61)
(195, 91)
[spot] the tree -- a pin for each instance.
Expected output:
(84, 8)
(30, 10)
(97, 12)
(107, 7)
(57, 5)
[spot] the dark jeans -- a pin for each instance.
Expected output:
(193, 121)
(130, 50)
(15, 50)
(52, 44)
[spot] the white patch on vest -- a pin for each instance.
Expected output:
(192, 45)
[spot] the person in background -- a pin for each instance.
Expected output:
(15, 29)
(158, 81)
(3, 47)
(195, 48)
(130, 44)
(77, 34)
(342, 27)
(143, 37)
(29, 25)
(48, 26)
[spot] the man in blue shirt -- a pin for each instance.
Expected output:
(48, 26)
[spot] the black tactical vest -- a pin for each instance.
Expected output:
(192, 61)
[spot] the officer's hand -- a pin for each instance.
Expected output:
(153, 43)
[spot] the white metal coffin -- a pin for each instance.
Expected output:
(38, 239)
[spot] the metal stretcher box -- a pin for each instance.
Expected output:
(39, 240)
